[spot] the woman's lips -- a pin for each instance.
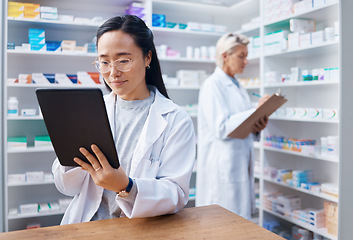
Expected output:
(118, 83)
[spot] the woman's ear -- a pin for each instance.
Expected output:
(148, 58)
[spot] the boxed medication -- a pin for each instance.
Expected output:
(28, 112)
(16, 178)
(305, 40)
(302, 25)
(42, 141)
(49, 16)
(15, 10)
(36, 33)
(35, 176)
(39, 47)
(293, 40)
(88, 78)
(317, 38)
(54, 206)
(43, 207)
(62, 78)
(25, 78)
(68, 45)
(29, 208)
(17, 142)
(46, 9)
(40, 78)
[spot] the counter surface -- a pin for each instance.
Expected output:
(210, 222)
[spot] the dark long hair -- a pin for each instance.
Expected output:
(143, 38)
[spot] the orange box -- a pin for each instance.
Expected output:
(331, 217)
(31, 7)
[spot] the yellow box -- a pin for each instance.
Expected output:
(32, 15)
(16, 6)
(15, 14)
(31, 7)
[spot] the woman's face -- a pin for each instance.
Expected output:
(129, 85)
(235, 62)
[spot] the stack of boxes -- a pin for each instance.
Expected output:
(31, 11)
(37, 39)
(15, 10)
(137, 9)
(49, 13)
(331, 217)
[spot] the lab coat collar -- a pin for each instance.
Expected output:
(220, 72)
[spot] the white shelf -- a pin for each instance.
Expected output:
(303, 13)
(186, 32)
(300, 84)
(321, 231)
(318, 157)
(183, 88)
(44, 21)
(304, 120)
(30, 150)
(53, 85)
(249, 31)
(31, 215)
(25, 118)
(49, 53)
(320, 195)
(30, 183)
(329, 47)
(188, 60)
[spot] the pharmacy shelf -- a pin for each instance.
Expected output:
(252, 87)
(25, 118)
(187, 60)
(49, 53)
(183, 88)
(320, 231)
(300, 84)
(312, 13)
(30, 150)
(249, 31)
(53, 22)
(319, 195)
(186, 32)
(329, 48)
(30, 183)
(53, 85)
(318, 157)
(305, 120)
(30, 215)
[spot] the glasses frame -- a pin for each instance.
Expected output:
(96, 64)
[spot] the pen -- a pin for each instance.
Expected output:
(255, 94)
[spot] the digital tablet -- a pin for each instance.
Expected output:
(77, 118)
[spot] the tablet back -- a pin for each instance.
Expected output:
(77, 118)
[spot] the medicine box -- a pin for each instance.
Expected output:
(29, 112)
(45, 9)
(62, 78)
(35, 176)
(39, 78)
(42, 141)
(305, 40)
(17, 142)
(35, 33)
(302, 25)
(16, 178)
(29, 208)
(293, 40)
(317, 38)
(49, 16)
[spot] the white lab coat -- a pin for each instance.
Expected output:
(224, 165)
(161, 167)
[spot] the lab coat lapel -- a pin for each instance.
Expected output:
(152, 130)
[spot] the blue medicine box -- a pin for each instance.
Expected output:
(36, 33)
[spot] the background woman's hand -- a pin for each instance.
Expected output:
(101, 171)
(260, 125)
(263, 99)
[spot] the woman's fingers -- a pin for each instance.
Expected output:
(101, 157)
(94, 162)
(84, 165)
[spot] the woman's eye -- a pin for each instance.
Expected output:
(104, 63)
(124, 61)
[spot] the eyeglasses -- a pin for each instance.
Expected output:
(123, 65)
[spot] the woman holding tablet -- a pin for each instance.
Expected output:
(154, 137)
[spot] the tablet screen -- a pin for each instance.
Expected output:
(77, 118)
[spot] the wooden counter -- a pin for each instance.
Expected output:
(210, 222)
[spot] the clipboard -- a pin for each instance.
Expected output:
(267, 108)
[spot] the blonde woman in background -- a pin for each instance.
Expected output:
(225, 165)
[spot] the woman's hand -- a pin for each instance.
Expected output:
(263, 99)
(101, 171)
(260, 125)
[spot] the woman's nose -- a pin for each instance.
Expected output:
(114, 71)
